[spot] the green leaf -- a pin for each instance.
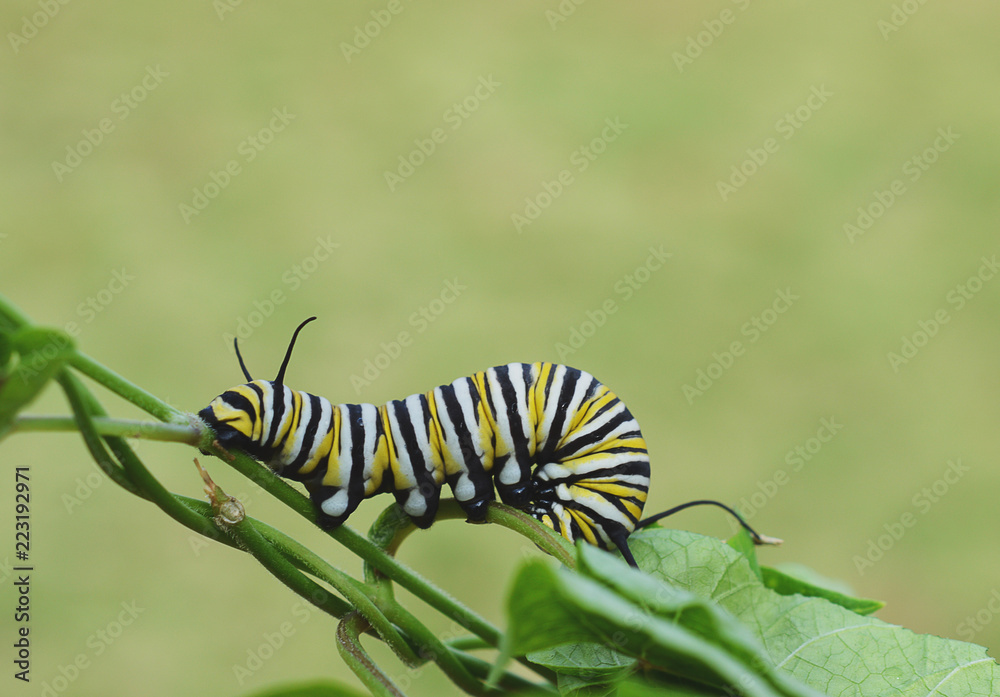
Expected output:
(6, 351)
(695, 613)
(549, 607)
(574, 686)
(322, 688)
(41, 353)
(822, 644)
(585, 660)
(814, 586)
(743, 543)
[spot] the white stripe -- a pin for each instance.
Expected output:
(294, 442)
(515, 372)
(343, 464)
(593, 503)
(369, 424)
(594, 463)
(265, 409)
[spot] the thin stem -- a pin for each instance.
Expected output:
(246, 535)
(77, 396)
(466, 643)
(364, 548)
(357, 659)
(149, 403)
(354, 591)
(125, 428)
(429, 646)
(518, 521)
(509, 681)
(12, 313)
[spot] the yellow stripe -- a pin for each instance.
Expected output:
(586, 410)
(293, 425)
(537, 397)
(442, 460)
(332, 476)
(255, 421)
(321, 450)
(487, 425)
(586, 526)
(380, 460)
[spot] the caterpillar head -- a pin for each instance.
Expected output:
(242, 416)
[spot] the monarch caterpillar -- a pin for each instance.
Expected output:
(550, 439)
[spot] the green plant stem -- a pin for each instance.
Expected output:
(466, 643)
(124, 428)
(91, 438)
(248, 537)
(149, 403)
(446, 656)
(509, 681)
(364, 548)
(356, 593)
(10, 311)
(433, 648)
(357, 659)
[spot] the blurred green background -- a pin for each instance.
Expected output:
(840, 98)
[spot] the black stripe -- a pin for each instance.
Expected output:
(633, 467)
(309, 440)
(240, 403)
(568, 387)
(409, 436)
(356, 486)
(470, 458)
(595, 436)
(278, 407)
(513, 409)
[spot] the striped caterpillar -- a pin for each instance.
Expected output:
(549, 439)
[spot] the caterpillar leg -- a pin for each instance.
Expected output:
(420, 503)
(333, 504)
